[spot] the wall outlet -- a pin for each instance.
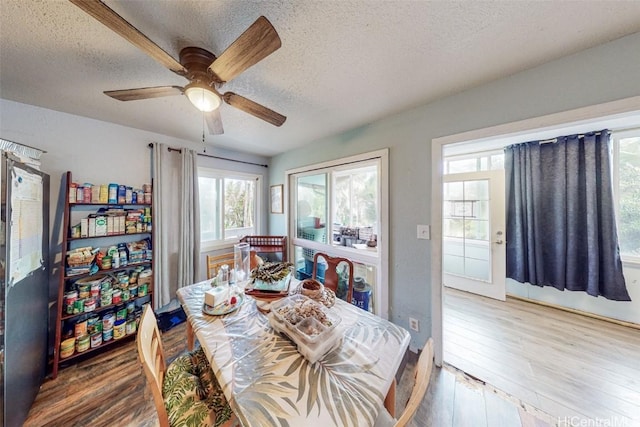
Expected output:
(414, 324)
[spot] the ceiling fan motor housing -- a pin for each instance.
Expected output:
(196, 61)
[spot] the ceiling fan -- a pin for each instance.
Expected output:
(205, 72)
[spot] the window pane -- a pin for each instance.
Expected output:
(463, 165)
(629, 196)
(497, 161)
(228, 203)
(311, 211)
(364, 277)
(209, 209)
(239, 207)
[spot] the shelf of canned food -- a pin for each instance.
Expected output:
(98, 331)
(112, 270)
(103, 291)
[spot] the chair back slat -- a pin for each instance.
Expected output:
(331, 278)
(152, 358)
(214, 262)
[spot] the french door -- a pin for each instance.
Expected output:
(473, 239)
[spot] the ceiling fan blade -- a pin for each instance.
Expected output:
(144, 93)
(255, 44)
(214, 122)
(253, 108)
(119, 25)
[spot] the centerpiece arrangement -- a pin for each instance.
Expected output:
(270, 280)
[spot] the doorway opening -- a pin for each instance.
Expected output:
(503, 349)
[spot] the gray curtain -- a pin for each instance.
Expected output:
(176, 222)
(189, 251)
(561, 228)
(165, 226)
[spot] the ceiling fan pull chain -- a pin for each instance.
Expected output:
(203, 143)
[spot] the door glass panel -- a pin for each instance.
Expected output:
(466, 229)
(311, 203)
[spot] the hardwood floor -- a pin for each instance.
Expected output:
(575, 369)
(110, 390)
(105, 391)
(454, 399)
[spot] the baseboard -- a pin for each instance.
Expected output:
(575, 311)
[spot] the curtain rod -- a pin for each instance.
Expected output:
(215, 157)
(581, 135)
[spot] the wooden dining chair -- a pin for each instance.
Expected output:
(331, 278)
(215, 261)
(424, 367)
(187, 391)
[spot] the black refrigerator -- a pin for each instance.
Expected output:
(24, 277)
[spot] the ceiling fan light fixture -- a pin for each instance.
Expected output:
(202, 97)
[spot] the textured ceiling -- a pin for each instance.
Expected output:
(342, 64)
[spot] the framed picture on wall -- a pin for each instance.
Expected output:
(277, 206)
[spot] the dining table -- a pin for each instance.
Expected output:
(268, 382)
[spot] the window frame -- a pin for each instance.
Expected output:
(378, 259)
(220, 174)
(616, 136)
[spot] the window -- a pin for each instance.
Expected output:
(337, 208)
(228, 206)
(626, 173)
(474, 162)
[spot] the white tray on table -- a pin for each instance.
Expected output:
(312, 338)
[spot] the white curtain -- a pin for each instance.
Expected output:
(176, 234)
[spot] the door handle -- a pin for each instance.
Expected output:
(499, 242)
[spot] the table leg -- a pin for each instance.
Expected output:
(190, 337)
(390, 400)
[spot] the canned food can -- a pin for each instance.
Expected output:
(130, 326)
(119, 329)
(78, 306)
(82, 343)
(67, 347)
(107, 321)
(84, 290)
(121, 313)
(96, 339)
(80, 328)
(95, 289)
(117, 296)
(89, 305)
(107, 334)
(69, 301)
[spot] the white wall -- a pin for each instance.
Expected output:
(601, 74)
(97, 152)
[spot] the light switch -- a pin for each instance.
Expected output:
(424, 232)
